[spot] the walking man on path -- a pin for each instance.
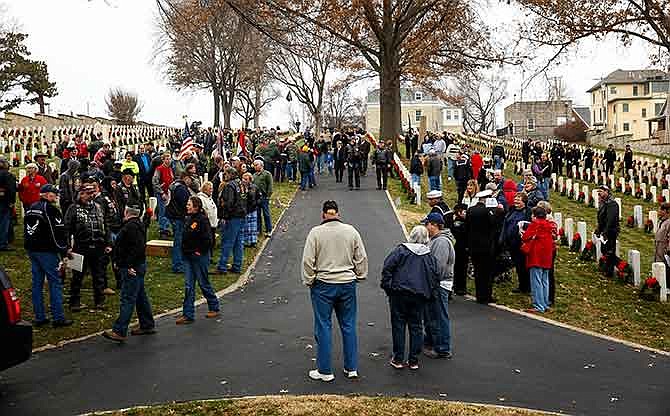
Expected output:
(333, 260)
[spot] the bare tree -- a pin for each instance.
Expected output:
(341, 109)
(123, 105)
(303, 70)
(480, 94)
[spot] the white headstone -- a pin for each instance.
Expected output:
(634, 261)
(596, 201)
(575, 191)
(653, 216)
(417, 192)
(612, 182)
(666, 194)
(553, 181)
(568, 186)
(596, 244)
(643, 187)
(581, 229)
(654, 195)
(658, 271)
(618, 249)
(561, 183)
(587, 195)
(558, 219)
(588, 174)
(622, 184)
(569, 229)
(638, 216)
(618, 201)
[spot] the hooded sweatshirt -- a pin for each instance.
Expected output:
(442, 248)
(410, 269)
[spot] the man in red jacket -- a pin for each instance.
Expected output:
(30, 185)
(538, 246)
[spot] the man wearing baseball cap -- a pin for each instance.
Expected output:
(437, 204)
(608, 227)
(45, 242)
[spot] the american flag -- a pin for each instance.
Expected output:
(186, 142)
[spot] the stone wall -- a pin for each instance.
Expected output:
(651, 146)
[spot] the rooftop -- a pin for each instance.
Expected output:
(638, 76)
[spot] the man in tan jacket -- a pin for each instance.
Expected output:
(333, 260)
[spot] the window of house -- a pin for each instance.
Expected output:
(418, 95)
(418, 115)
(562, 120)
(531, 124)
(594, 115)
(448, 114)
(660, 86)
(626, 126)
(658, 107)
(625, 107)
(594, 98)
(614, 108)
(601, 114)
(457, 115)
(644, 112)
(612, 90)
(635, 90)
(646, 89)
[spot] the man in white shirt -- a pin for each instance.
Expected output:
(333, 260)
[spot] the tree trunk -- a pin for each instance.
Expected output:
(317, 117)
(389, 100)
(257, 105)
(217, 107)
(227, 108)
(40, 100)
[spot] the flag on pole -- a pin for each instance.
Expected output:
(186, 145)
(185, 133)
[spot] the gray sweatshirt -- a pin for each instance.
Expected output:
(442, 248)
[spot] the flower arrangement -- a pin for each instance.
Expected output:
(602, 264)
(660, 199)
(664, 183)
(619, 187)
(563, 237)
(648, 226)
(576, 243)
(630, 222)
(589, 252)
(650, 289)
(647, 197)
(628, 190)
(571, 192)
(638, 193)
(581, 197)
(624, 272)
(592, 202)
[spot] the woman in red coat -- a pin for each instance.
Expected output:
(538, 246)
(30, 185)
(477, 162)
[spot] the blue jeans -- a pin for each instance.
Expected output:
(304, 180)
(436, 317)
(263, 215)
(163, 221)
(289, 171)
(406, 312)
(543, 186)
(45, 264)
(133, 296)
(539, 288)
(232, 233)
(177, 256)
(416, 178)
(320, 162)
(434, 183)
(195, 269)
(450, 168)
(312, 179)
(497, 162)
(342, 298)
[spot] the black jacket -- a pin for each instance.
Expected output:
(197, 235)
(339, 156)
(410, 269)
(128, 196)
(130, 244)
(44, 229)
(381, 157)
(462, 170)
(253, 197)
(434, 166)
(610, 156)
(415, 166)
(179, 194)
(481, 225)
(608, 219)
(86, 223)
(7, 188)
(111, 211)
(233, 200)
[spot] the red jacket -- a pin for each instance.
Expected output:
(538, 243)
(509, 189)
(82, 149)
(29, 189)
(477, 163)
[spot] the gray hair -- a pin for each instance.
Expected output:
(419, 235)
(133, 211)
(259, 162)
(546, 205)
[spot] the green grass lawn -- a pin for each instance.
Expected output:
(165, 289)
(583, 297)
(326, 406)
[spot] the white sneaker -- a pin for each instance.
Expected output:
(351, 374)
(315, 375)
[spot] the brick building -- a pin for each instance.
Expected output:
(540, 118)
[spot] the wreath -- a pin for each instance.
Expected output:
(589, 252)
(571, 192)
(647, 197)
(630, 222)
(638, 193)
(592, 202)
(581, 197)
(650, 289)
(664, 183)
(602, 264)
(648, 226)
(624, 272)
(576, 243)
(660, 199)
(563, 237)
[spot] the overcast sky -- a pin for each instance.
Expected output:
(91, 47)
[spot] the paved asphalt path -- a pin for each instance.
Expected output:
(263, 345)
